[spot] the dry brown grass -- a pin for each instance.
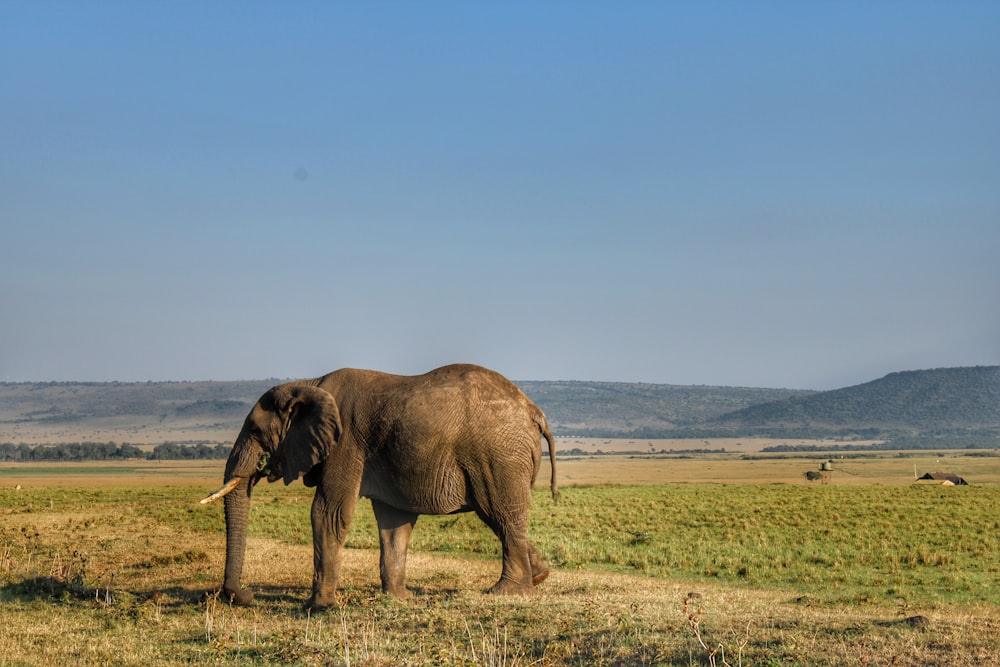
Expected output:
(887, 468)
(84, 474)
(147, 599)
(676, 445)
(86, 580)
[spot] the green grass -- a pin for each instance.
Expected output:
(783, 575)
(839, 544)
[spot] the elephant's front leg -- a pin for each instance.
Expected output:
(330, 522)
(394, 529)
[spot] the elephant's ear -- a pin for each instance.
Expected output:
(313, 428)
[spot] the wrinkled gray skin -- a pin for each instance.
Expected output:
(460, 438)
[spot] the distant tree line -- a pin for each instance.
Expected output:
(982, 441)
(109, 451)
(638, 453)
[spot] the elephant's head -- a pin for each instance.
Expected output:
(286, 435)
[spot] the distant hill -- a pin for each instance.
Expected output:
(153, 412)
(943, 402)
(137, 412)
(950, 406)
(623, 409)
(58, 402)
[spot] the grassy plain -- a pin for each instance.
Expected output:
(682, 561)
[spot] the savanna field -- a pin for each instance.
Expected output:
(709, 560)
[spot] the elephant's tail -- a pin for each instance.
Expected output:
(543, 427)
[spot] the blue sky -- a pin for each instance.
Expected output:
(776, 194)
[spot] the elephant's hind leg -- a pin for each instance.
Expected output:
(516, 576)
(394, 529)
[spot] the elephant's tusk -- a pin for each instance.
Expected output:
(226, 488)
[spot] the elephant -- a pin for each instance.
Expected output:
(456, 439)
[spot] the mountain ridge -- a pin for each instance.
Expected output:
(959, 403)
(953, 404)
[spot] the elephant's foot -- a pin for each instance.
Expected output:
(318, 602)
(401, 592)
(237, 596)
(540, 577)
(508, 587)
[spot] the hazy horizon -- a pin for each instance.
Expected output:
(515, 379)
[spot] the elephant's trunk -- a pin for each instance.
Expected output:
(237, 518)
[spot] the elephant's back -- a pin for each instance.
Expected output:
(449, 404)
(477, 392)
(463, 375)
(451, 375)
